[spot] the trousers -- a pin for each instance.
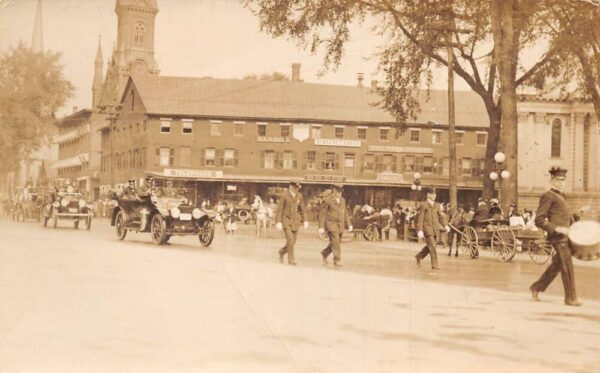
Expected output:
(335, 238)
(562, 262)
(290, 242)
(429, 249)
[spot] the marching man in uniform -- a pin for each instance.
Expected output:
(332, 218)
(290, 214)
(429, 224)
(553, 216)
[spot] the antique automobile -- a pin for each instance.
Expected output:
(162, 212)
(26, 205)
(66, 204)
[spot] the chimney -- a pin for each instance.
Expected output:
(373, 84)
(360, 78)
(295, 72)
(75, 109)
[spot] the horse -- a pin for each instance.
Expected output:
(263, 214)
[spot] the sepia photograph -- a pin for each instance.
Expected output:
(300, 186)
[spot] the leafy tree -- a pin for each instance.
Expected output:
(32, 88)
(275, 76)
(484, 37)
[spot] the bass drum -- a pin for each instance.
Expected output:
(243, 215)
(584, 239)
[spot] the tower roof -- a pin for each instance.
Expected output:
(148, 4)
(37, 41)
(99, 51)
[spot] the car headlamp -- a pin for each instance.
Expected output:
(197, 213)
(70, 189)
(82, 203)
(64, 202)
(175, 212)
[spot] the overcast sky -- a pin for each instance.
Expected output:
(217, 38)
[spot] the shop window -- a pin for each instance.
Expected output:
(361, 133)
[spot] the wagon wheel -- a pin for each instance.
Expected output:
(369, 233)
(540, 252)
(468, 241)
(503, 244)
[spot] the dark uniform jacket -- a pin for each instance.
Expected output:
(290, 210)
(553, 212)
(429, 219)
(481, 213)
(333, 214)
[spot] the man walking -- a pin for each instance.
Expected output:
(332, 218)
(554, 216)
(290, 214)
(429, 224)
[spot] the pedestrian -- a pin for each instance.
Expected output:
(554, 216)
(429, 224)
(290, 215)
(456, 221)
(333, 216)
(481, 213)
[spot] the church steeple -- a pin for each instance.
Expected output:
(37, 41)
(98, 76)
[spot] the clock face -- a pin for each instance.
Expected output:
(139, 67)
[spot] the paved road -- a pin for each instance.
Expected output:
(82, 301)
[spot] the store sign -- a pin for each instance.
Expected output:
(301, 131)
(390, 177)
(338, 142)
(272, 139)
(326, 178)
(231, 188)
(207, 174)
(400, 149)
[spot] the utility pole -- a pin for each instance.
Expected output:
(451, 129)
(112, 112)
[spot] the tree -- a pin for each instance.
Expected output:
(32, 88)
(275, 76)
(416, 36)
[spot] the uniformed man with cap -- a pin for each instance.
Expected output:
(129, 190)
(429, 224)
(554, 216)
(290, 215)
(333, 216)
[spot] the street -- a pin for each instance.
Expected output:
(76, 300)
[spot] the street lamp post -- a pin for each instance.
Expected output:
(499, 172)
(416, 186)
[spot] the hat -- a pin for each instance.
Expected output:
(131, 181)
(494, 200)
(338, 186)
(429, 190)
(481, 199)
(558, 172)
(295, 184)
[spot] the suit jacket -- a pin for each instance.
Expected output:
(290, 210)
(481, 213)
(430, 220)
(553, 212)
(333, 214)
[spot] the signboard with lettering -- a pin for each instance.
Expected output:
(400, 149)
(390, 177)
(272, 139)
(338, 142)
(206, 174)
(326, 178)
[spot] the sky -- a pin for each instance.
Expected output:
(196, 38)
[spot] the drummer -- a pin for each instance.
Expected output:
(553, 216)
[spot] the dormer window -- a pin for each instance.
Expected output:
(139, 35)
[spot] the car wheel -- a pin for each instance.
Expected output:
(207, 233)
(76, 224)
(119, 226)
(158, 229)
(54, 218)
(88, 222)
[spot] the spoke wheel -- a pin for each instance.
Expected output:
(503, 244)
(207, 233)
(120, 226)
(369, 233)
(158, 229)
(540, 253)
(469, 241)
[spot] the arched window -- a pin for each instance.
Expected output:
(556, 138)
(139, 35)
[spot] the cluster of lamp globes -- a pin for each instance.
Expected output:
(416, 182)
(504, 174)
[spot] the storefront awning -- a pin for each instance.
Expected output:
(77, 160)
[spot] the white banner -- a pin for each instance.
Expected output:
(206, 174)
(338, 142)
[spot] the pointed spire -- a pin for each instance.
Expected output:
(98, 76)
(37, 41)
(99, 51)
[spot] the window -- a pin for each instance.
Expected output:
(436, 137)
(139, 35)
(316, 131)
(481, 138)
(415, 136)
(477, 167)
(166, 157)
(261, 130)
(556, 134)
(330, 163)
(229, 158)
(185, 156)
(209, 157)
(387, 163)
(369, 162)
(215, 128)
(349, 160)
(459, 137)
(428, 165)
(311, 160)
(339, 132)
(419, 164)
(361, 133)
(285, 130)
(238, 129)
(143, 158)
(269, 159)
(466, 166)
(409, 162)
(288, 160)
(165, 126)
(384, 134)
(187, 126)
